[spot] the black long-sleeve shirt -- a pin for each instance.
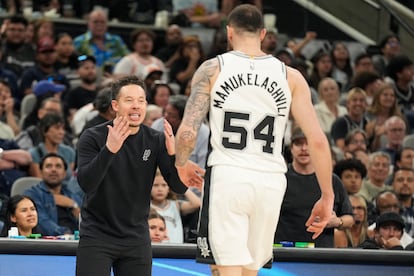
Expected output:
(118, 186)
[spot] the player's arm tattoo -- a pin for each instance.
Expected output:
(196, 110)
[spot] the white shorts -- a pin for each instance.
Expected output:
(239, 217)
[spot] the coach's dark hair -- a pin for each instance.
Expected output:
(124, 81)
(246, 17)
(52, 154)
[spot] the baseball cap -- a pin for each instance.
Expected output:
(389, 218)
(84, 58)
(297, 133)
(45, 86)
(45, 44)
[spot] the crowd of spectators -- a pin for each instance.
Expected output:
(54, 85)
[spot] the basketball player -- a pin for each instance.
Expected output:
(248, 95)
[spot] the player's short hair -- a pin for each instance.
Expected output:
(246, 17)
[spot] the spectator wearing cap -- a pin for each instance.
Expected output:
(106, 47)
(387, 234)
(86, 92)
(301, 194)
(191, 57)
(44, 67)
(141, 61)
(16, 53)
(42, 90)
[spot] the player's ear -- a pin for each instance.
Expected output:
(262, 34)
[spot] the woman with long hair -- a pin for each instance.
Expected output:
(352, 237)
(21, 213)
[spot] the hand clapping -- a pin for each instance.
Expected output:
(117, 134)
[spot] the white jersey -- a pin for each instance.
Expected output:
(249, 109)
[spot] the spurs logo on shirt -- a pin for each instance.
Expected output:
(203, 246)
(146, 154)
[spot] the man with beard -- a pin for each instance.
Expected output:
(403, 185)
(86, 92)
(301, 194)
(57, 207)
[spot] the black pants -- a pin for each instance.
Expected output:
(97, 258)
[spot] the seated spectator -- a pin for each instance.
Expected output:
(16, 53)
(269, 43)
(328, 108)
(378, 170)
(153, 113)
(387, 201)
(86, 91)
(342, 70)
(387, 234)
(52, 131)
(165, 203)
(403, 186)
(358, 233)
(66, 58)
(31, 136)
(57, 207)
(404, 159)
(369, 82)
(356, 104)
(400, 76)
(356, 144)
(14, 163)
(170, 51)
(43, 68)
(157, 227)
(21, 213)
(43, 89)
(363, 63)
(9, 126)
(191, 57)
(102, 104)
(395, 130)
(301, 194)
(160, 93)
(138, 62)
(351, 172)
(174, 113)
(389, 47)
(106, 47)
(322, 68)
(383, 107)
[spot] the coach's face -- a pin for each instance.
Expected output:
(131, 103)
